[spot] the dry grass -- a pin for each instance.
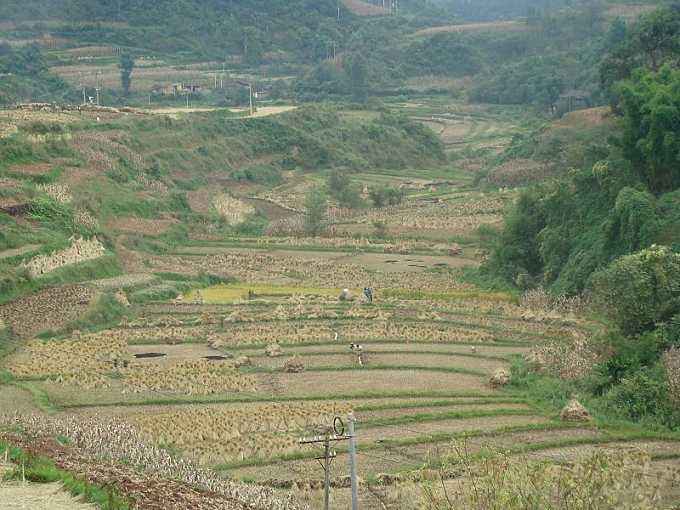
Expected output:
(475, 27)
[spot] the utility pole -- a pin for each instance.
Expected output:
(96, 88)
(250, 90)
(333, 434)
(353, 461)
(327, 473)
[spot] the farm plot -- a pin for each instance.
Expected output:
(48, 309)
(266, 268)
(104, 362)
(309, 331)
(359, 382)
(402, 359)
(226, 433)
(455, 219)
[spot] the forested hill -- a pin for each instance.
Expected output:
(209, 28)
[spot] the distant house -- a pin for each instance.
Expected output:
(177, 89)
(574, 99)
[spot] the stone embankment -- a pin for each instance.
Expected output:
(80, 250)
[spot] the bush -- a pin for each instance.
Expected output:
(316, 206)
(638, 291)
(161, 292)
(386, 195)
(644, 395)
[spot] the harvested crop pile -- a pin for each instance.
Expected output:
(84, 218)
(51, 308)
(81, 361)
(80, 250)
(574, 411)
(232, 210)
(236, 432)
(88, 361)
(310, 331)
(571, 358)
(196, 377)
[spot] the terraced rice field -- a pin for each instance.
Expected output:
(208, 373)
(423, 382)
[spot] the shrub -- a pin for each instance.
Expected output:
(386, 196)
(316, 206)
(640, 290)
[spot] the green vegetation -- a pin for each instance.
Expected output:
(610, 227)
(24, 76)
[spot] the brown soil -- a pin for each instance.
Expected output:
(38, 496)
(358, 381)
(34, 169)
(141, 225)
(364, 8)
(406, 359)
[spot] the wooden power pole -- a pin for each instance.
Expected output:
(336, 434)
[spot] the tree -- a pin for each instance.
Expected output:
(652, 42)
(127, 64)
(358, 78)
(651, 106)
(316, 205)
(340, 188)
(386, 196)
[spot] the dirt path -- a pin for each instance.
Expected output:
(35, 496)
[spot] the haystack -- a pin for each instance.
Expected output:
(293, 365)
(501, 377)
(242, 361)
(121, 298)
(274, 351)
(574, 411)
(346, 295)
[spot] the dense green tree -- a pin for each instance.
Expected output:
(641, 290)
(650, 43)
(651, 107)
(127, 64)
(316, 207)
(358, 78)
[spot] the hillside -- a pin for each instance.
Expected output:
(229, 225)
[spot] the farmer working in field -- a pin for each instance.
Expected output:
(368, 292)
